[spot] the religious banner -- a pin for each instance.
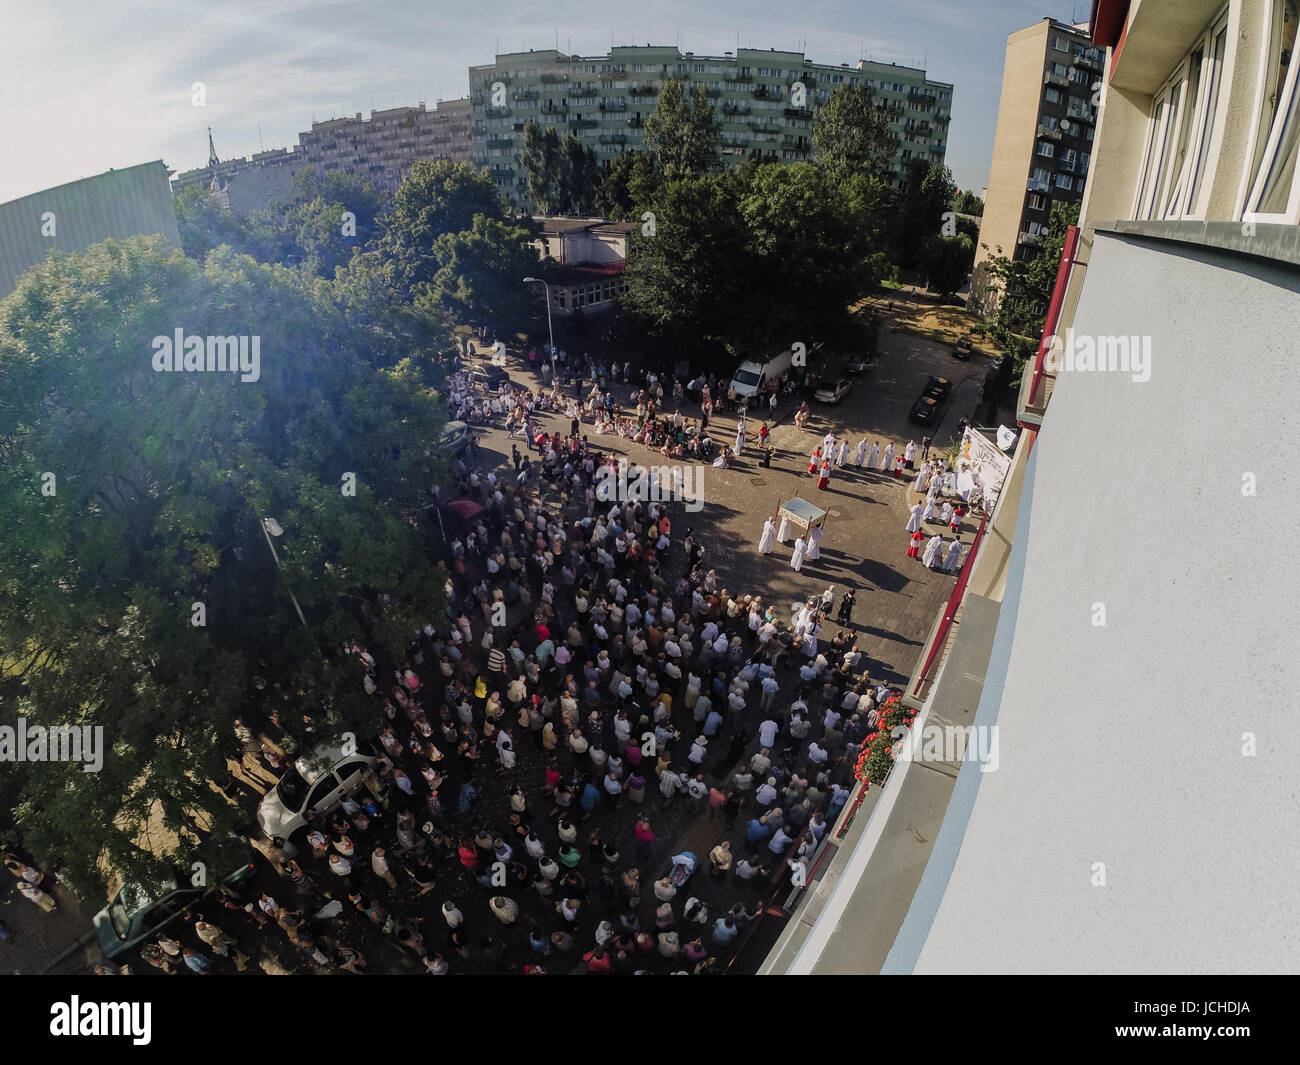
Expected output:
(981, 464)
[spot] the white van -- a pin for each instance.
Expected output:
(751, 376)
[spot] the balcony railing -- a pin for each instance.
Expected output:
(1050, 134)
(551, 79)
(798, 112)
(644, 90)
(1035, 185)
(1059, 80)
(584, 123)
(500, 142)
(614, 107)
(613, 138)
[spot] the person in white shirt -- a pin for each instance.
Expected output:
(766, 794)
(767, 733)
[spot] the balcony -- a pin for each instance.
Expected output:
(798, 112)
(613, 138)
(735, 109)
(551, 79)
(530, 94)
(583, 123)
(555, 109)
(635, 123)
(1035, 185)
(644, 90)
(1088, 61)
(1059, 80)
(1050, 134)
(1030, 239)
(761, 93)
(498, 112)
(920, 94)
(614, 107)
(577, 92)
(500, 142)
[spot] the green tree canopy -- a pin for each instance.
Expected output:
(160, 482)
(683, 134)
(851, 135)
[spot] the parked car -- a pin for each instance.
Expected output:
(925, 410)
(833, 391)
(319, 780)
(938, 387)
(488, 376)
(963, 348)
(138, 911)
(860, 364)
(455, 438)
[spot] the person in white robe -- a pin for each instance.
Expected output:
(887, 462)
(928, 513)
(952, 561)
(814, 544)
(914, 520)
(933, 552)
(861, 455)
(909, 452)
(740, 438)
(918, 485)
(800, 547)
(843, 455)
(810, 640)
(874, 457)
(932, 493)
(783, 533)
(945, 515)
(767, 541)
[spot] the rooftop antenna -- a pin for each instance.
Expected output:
(260, 142)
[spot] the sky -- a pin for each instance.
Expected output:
(85, 88)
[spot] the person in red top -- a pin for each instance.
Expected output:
(634, 753)
(552, 778)
(468, 855)
(597, 961)
(763, 432)
(915, 550)
(955, 524)
(645, 839)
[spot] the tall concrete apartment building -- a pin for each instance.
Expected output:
(605, 100)
(382, 148)
(1042, 149)
(379, 149)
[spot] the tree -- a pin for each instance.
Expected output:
(578, 176)
(543, 166)
(625, 184)
(852, 135)
(437, 197)
(968, 203)
(683, 135)
(1026, 290)
(946, 261)
(137, 593)
(927, 194)
(481, 279)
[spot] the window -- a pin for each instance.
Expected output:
(1037, 202)
(1163, 112)
(1059, 45)
(1064, 181)
(1052, 96)
(1275, 194)
(1046, 149)
(1059, 69)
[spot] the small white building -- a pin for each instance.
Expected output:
(589, 257)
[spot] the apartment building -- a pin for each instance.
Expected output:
(1124, 809)
(379, 149)
(763, 100)
(382, 148)
(1043, 145)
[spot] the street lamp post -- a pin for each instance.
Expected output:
(549, 331)
(271, 527)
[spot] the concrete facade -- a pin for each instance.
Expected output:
(133, 202)
(1043, 145)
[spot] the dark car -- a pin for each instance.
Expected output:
(489, 377)
(925, 410)
(963, 348)
(141, 910)
(937, 387)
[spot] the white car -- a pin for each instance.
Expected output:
(319, 780)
